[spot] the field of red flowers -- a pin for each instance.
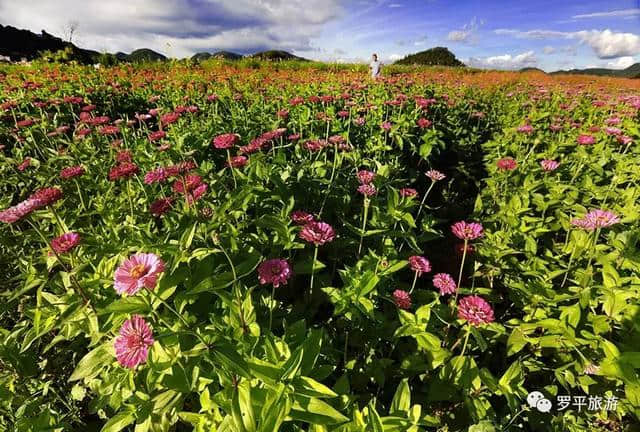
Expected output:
(258, 248)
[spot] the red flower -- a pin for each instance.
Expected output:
(317, 233)
(71, 172)
(65, 242)
(419, 264)
(301, 217)
(402, 299)
(160, 206)
(225, 141)
(507, 164)
(274, 271)
(238, 161)
(475, 310)
(123, 170)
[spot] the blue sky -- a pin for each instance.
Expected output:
(490, 34)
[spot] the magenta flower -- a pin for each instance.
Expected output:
(274, 271)
(46, 196)
(365, 177)
(71, 172)
(419, 264)
(445, 283)
(317, 233)
(467, 230)
(367, 190)
(65, 242)
(584, 139)
(160, 206)
(408, 192)
(300, 217)
(596, 219)
(402, 299)
(157, 175)
(386, 125)
(549, 165)
(475, 310)
(132, 345)
(225, 141)
(435, 175)
(237, 161)
(423, 123)
(507, 164)
(525, 129)
(140, 270)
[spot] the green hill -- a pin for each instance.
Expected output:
(632, 71)
(276, 55)
(218, 55)
(438, 56)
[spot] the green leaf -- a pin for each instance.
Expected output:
(228, 356)
(292, 366)
(401, 401)
(118, 422)
(313, 410)
(127, 305)
(91, 364)
(312, 388)
(242, 409)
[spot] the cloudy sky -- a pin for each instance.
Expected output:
(500, 34)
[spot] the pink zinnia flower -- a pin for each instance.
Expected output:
(71, 172)
(408, 192)
(586, 139)
(46, 196)
(19, 211)
(419, 264)
(467, 230)
(25, 164)
(367, 190)
(549, 164)
(157, 135)
(435, 175)
(160, 206)
(123, 170)
(525, 129)
(157, 175)
(132, 345)
(507, 164)
(445, 283)
(365, 177)
(237, 161)
(386, 126)
(475, 310)
(596, 219)
(301, 217)
(274, 271)
(317, 233)
(225, 141)
(65, 242)
(140, 270)
(423, 123)
(402, 299)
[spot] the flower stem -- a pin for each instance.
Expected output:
(130, 199)
(233, 174)
(273, 293)
(415, 278)
(177, 314)
(313, 271)
(364, 223)
(466, 339)
(464, 256)
(424, 198)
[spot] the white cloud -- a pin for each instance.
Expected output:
(468, 32)
(421, 41)
(605, 43)
(505, 61)
(187, 26)
(611, 14)
(548, 50)
(395, 5)
(621, 63)
(395, 57)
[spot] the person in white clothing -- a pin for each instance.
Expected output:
(375, 66)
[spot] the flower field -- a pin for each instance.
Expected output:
(243, 247)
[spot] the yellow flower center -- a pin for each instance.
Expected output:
(137, 271)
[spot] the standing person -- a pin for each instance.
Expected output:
(375, 66)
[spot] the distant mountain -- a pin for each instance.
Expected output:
(218, 55)
(438, 56)
(531, 69)
(144, 55)
(18, 44)
(276, 55)
(632, 71)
